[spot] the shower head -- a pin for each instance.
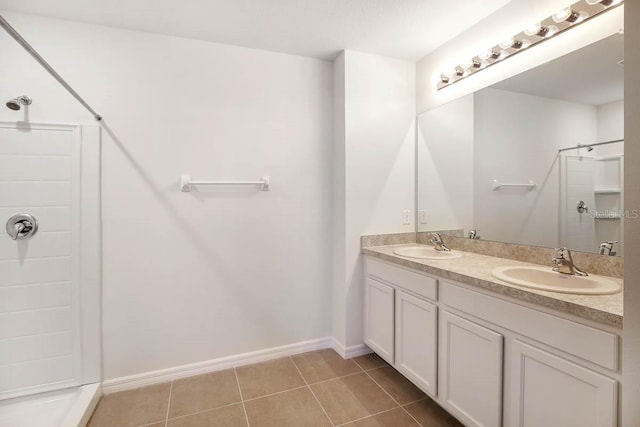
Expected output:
(17, 102)
(588, 147)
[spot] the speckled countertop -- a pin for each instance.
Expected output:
(475, 270)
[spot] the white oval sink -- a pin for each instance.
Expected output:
(544, 278)
(425, 252)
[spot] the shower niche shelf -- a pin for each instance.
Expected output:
(607, 191)
(607, 215)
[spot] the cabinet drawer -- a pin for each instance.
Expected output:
(579, 340)
(411, 281)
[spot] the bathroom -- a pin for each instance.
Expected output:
(174, 284)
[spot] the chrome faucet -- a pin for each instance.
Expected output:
(473, 234)
(606, 248)
(564, 263)
(437, 242)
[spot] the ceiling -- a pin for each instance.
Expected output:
(590, 75)
(404, 29)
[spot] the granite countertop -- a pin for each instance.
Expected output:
(475, 270)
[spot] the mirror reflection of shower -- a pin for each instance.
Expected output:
(16, 103)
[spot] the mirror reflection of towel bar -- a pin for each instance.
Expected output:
(498, 185)
(186, 183)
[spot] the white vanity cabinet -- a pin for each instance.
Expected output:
(470, 374)
(488, 360)
(557, 372)
(400, 321)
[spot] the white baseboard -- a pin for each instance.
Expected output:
(169, 374)
(351, 351)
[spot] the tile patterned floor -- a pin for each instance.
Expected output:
(311, 389)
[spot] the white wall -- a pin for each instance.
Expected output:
(507, 21)
(377, 182)
(610, 128)
(530, 141)
(195, 276)
(631, 340)
(445, 166)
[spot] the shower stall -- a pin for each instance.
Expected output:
(50, 355)
(50, 264)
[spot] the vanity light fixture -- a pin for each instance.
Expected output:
(605, 2)
(561, 21)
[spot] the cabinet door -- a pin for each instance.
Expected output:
(378, 321)
(416, 349)
(470, 371)
(547, 390)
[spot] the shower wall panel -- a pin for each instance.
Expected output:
(39, 278)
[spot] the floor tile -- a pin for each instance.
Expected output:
(132, 408)
(350, 398)
(203, 392)
(160, 424)
(393, 418)
(323, 365)
(268, 377)
(294, 408)
(400, 388)
(227, 416)
(370, 361)
(430, 414)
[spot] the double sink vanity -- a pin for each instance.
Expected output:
(542, 278)
(495, 341)
(504, 330)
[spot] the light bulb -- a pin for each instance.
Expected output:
(520, 44)
(489, 53)
(485, 54)
(562, 15)
(506, 44)
(540, 31)
(466, 64)
(533, 30)
(447, 75)
(551, 31)
(581, 17)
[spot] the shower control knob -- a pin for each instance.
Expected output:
(581, 206)
(22, 226)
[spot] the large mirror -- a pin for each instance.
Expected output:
(503, 160)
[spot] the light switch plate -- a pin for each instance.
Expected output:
(423, 216)
(406, 217)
